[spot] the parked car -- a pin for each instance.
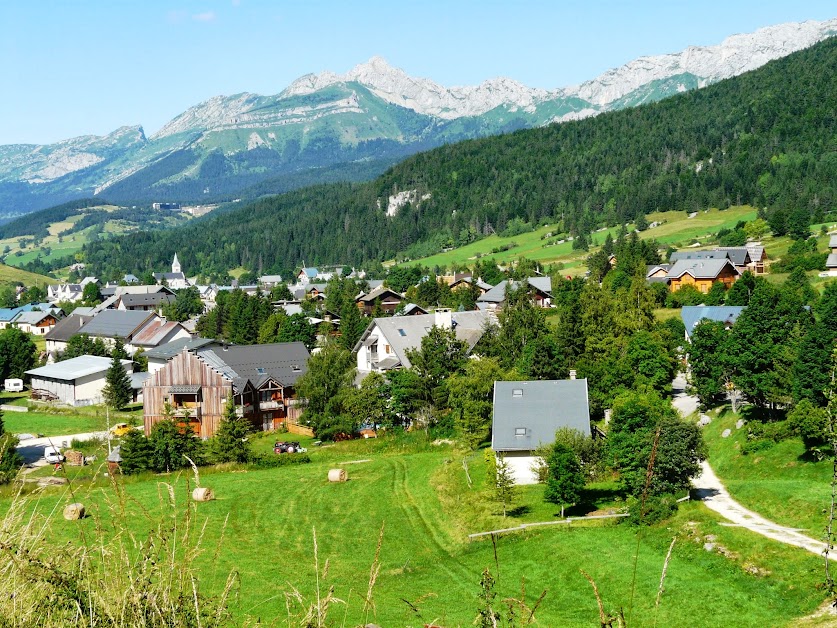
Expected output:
(120, 429)
(281, 447)
(52, 455)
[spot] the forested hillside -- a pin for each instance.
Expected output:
(766, 138)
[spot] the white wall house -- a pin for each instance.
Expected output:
(75, 382)
(526, 416)
(384, 344)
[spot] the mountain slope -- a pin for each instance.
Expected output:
(373, 112)
(766, 138)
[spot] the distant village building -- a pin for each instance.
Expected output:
(831, 260)
(175, 280)
(694, 314)
(381, 297)
(540, 288)
(701, 273)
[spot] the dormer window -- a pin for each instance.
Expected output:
(296, 368)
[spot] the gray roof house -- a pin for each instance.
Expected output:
(831, 261)
(383, 346)
(701, 268)
(158, 356)
(693, 314)
(496, 297)
(58, 336)
(527, 414)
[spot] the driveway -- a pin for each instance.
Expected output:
(708, 488)
(32, 449)
(712, 492)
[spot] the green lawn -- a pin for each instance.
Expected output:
(51, 424)
(262, 526)
(779, 482)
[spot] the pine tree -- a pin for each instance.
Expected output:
(135, 451)
(352, 325)
(230, 442)
(117, 391)
(118, 350)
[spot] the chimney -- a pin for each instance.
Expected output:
(444, 318)
(572, 373)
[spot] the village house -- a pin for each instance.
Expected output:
(694, 314)
(466, 281)
(196, 385)
(159, 356)
(657, 273)
(58, 337)
(381, 297)
(701, 273)
(75, 382)
(539, 287)
(35, 322)
(313, 275)
(10, 314)
(267, 282)
(384, 344)
(526, 416)
(831, 260)
(69, 292)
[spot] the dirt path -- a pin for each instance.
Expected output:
(713, 493)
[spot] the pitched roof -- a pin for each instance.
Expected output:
(31, 318)
(170, 349)
(738, 255)
(699, 268)
(526, 414)
(146, 299)
(67, 327)
(693, 314)
(681, 255)
(756, 251)
(310, 272)
(497, 294)
(406, 332)
(113, 323)
(378, 293)
(831, 260)
(74, 368)
(410, 308)
(154, 333)
(832, 242)
(284, 362)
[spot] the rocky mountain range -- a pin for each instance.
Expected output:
(371, 116)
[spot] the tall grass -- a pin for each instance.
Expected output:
(110, 578)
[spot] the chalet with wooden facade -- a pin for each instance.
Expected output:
(261, 379)
(36, 323)
(701, 273)
(388, 300)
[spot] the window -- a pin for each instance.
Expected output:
(517, 393)
(401, 332)
(295, 368)
(260, 371)
(520, 431)
(387, 349)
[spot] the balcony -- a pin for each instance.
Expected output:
(271, 405)
(192, 412)
(243, 411)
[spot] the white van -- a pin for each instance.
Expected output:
(53, 455)
(13, 385)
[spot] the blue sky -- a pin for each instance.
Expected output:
(75, 67)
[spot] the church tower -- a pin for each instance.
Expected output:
(175, 265)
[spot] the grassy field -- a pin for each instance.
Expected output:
(61, 421)
(676, 229)
(779, 482)
(262, 526)
(10, 274)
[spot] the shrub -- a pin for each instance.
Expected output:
(656, 508)
(270, 461)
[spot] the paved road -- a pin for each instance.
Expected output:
(709, 489)
(32, 449)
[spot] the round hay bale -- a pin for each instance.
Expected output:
(203, 494)
(74, 512)
(337, 475)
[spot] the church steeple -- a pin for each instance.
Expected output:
(175, 265)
